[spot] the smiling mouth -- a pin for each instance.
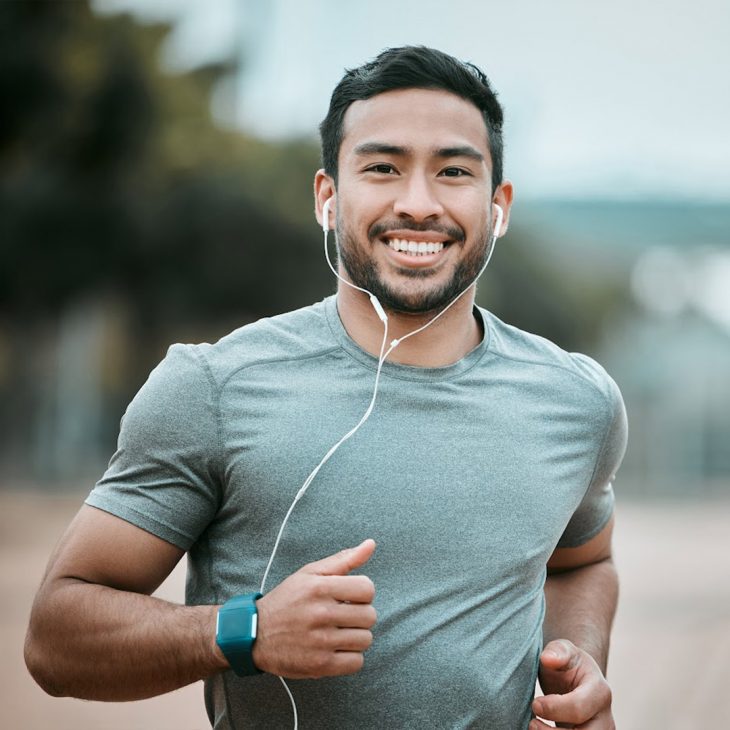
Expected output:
(415, 248)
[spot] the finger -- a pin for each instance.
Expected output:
(350, 588)
(343, 562)
(352, 640)
(344, 616)
(536, 724)
(560, 655)
(345, 662)
(357, 616)
(576, 707)
(604, 721)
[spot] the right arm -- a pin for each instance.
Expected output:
(96, 632)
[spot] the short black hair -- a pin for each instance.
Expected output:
(412, 67)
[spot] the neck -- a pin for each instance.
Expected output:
(446, 341)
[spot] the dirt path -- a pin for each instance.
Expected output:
(670, 659)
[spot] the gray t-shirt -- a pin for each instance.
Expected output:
(467, 476)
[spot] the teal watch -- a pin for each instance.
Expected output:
(235, 632)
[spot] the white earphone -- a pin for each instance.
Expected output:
(326, 213)
(498, 224)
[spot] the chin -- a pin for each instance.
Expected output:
(416, 303)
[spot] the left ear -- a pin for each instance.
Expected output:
(503, 197)
(324, 189)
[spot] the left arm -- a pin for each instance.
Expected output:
(581, 594)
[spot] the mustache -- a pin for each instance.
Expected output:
(452, 232)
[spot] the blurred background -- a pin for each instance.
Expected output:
(156, 164)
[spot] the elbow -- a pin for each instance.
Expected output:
(39, 667)
(38, 660)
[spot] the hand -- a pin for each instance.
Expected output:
(317, 622)
(576, 692)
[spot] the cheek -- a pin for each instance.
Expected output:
(358, 220)
(468, 205)
(475, 222)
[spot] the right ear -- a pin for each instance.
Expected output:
(503, 197)
(324, 189)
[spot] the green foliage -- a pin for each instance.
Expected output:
(114, 178)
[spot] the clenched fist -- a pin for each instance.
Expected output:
(316, 623)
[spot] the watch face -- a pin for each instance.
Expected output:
(236, 624)
(236, 631)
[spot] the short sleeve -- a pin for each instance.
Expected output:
(164, 475)
(596, 507)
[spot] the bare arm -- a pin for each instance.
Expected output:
(96, 633)
(581, 593)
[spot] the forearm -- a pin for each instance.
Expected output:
(580, 606)
(94, 642)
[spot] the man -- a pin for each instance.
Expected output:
(486, 462)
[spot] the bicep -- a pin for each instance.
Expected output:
(101, 548)
(595, 550)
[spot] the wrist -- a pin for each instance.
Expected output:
(218, 657)
(236, 631)
(212, 658)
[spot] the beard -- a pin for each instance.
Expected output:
(364, 272)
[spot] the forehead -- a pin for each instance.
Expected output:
(415, 118)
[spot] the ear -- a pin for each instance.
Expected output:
(324, 189)
(503, 197)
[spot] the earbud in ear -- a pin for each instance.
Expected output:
(326, 214)
(498, 223)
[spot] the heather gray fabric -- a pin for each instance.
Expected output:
(467, 476)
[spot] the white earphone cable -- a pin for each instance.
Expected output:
(327, 456)
(381, 360)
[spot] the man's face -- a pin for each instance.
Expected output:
(414, 173)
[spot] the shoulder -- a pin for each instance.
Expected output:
(545, 362)
(183, 391)
(293, 336)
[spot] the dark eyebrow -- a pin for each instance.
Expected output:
(381, 148)
(465, 151)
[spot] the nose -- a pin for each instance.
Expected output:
(416, 199)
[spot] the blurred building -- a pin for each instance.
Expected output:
(668, 347)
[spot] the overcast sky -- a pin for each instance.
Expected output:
(617, 99)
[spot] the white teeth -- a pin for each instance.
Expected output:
(417, 248)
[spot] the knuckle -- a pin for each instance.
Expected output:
(331, 641)
(321, 614)
(318, 586)
(320, 663)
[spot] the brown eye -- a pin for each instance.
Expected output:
(382, 168)
(454, 172)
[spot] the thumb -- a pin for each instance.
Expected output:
(343, 562)
(559, 654)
